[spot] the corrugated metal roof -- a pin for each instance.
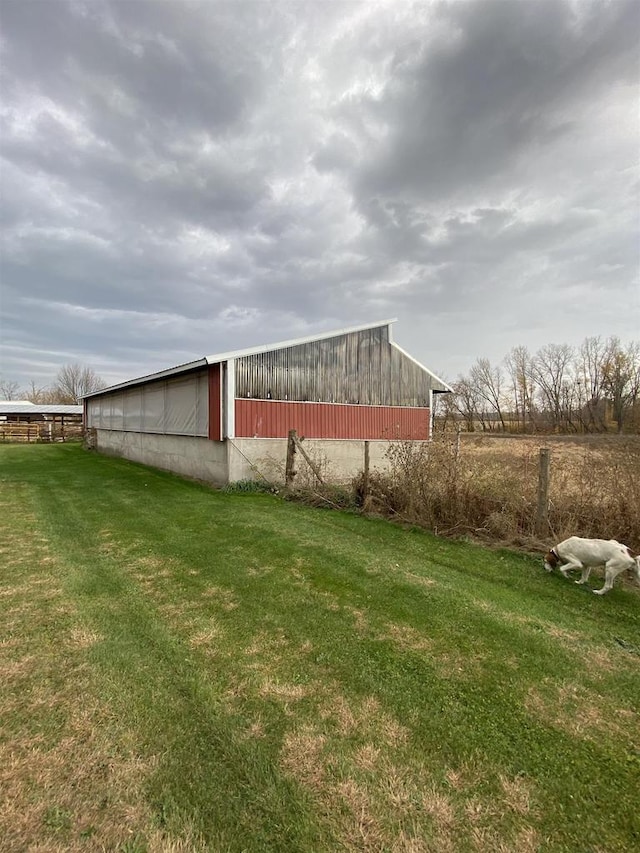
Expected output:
(36, 409)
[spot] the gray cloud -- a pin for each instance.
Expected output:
(188, 178)
(505, 80)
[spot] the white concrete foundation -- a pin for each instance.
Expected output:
(222, 462)
(339, 460)
(182, 454)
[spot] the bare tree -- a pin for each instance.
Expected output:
(588, 371)
(488, 383)
(591, 359)
(444, 411)
(40, 394)
(621, 377)
(519, 368)
(9, 390)
(75, 380)
(552, 371)
(467, 402)
(559, 387)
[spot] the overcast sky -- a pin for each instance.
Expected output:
(181, 178)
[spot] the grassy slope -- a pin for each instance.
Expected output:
(194, 670)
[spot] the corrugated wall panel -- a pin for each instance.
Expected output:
(274, 419)
(355, 368)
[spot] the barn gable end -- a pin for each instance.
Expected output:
(357, 368)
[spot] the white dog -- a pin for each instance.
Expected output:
(586, 554)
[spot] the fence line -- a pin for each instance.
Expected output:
(44, 431)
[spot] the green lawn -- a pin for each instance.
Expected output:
(188, 670)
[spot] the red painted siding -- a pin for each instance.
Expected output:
(274, 419)
(215, 407)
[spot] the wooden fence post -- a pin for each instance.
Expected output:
(90, 436)
(365, 474)
(542, 513)
(291, 455)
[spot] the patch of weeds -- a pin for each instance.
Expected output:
(57, 819)
(88, 832)
(249, 487)
(162, 814)
(326, 495)
(629, 647)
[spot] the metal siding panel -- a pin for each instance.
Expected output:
(274, 419)
(356, 368)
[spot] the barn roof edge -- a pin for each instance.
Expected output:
(446, 388)
(27, 408)
(323, 336)
(149, 377)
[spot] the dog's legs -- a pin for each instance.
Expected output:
(612, 570)
(586, 571)
(572, 564)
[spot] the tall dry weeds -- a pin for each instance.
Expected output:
(487, 487)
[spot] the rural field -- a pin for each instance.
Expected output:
(486, 486)
(185, 669)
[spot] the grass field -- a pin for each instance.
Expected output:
(188, 670)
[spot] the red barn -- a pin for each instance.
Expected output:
(226, 417)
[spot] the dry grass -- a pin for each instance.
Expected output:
(376, 803)
(355, 763)
(486, 486)
(584, 713)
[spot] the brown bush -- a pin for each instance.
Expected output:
(486, 486)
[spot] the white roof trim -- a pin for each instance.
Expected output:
(422, 367)
(215, 359)
(19, 408)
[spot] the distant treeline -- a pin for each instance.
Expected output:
(592, 388)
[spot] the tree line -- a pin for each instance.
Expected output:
(592, 388)
(71, 383)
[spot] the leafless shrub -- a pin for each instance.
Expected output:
(487, 487)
